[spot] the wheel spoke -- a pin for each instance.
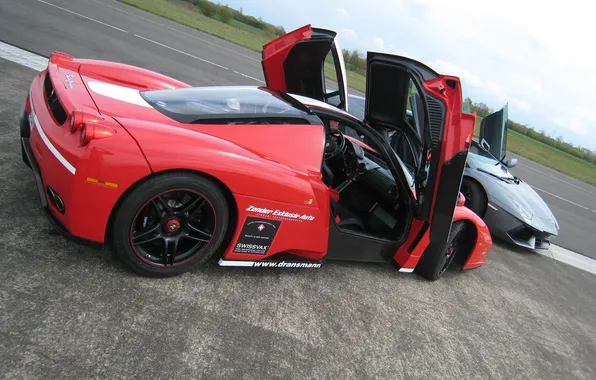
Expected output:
(198, 202)
(199, 231)
(147, 236)
(169, 250)
(190, 237)
(156, 202)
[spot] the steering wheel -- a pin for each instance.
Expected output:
(335, 142)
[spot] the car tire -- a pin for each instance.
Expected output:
(150, 244)
(475, 196)
(436, 259)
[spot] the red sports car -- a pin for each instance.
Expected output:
(279, 176)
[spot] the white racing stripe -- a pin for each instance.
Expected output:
(80, 15)
(181, 52)
(124, 94)
(49, 144)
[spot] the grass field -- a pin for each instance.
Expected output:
(548, 156)
(551, 157)
(254, 39)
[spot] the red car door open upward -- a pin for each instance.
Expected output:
(302, 61)
(407, 98)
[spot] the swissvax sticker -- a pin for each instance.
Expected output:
(256, 236)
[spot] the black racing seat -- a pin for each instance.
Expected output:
(348, 220)
(353, 223)
(327, 174)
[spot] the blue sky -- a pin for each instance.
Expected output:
(536, 56)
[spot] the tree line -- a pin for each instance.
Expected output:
(482, 110)
(226, 14)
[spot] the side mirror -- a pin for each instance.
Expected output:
(511, 162)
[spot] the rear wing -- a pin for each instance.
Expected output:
(64, 88)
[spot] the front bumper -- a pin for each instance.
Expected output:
(512, 229)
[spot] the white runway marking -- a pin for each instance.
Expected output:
(23, 57)
(558, 179)
(178, 31)
(80, 15)
(563, 199)
(569, 257)
(248, 76)
(181, 52)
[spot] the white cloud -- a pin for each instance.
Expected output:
(579, 120)
(520, 104)
(449, 68)
(573, 124)
(348, 34)
(379, 43)
(343, 11)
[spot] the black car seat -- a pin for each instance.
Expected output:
(347, 219)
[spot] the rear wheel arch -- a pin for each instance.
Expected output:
(233, 206)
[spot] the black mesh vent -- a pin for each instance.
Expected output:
(435, 113)
(53, 102)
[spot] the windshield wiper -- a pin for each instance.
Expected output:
(501, 160)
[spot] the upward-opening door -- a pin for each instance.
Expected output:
(309, 62)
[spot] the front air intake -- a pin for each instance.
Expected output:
(53, 102)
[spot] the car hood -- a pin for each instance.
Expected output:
(507, 189)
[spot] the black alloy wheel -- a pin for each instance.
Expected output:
(173, 228)
(437, 259)
(171, 223)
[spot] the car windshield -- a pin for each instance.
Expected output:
(191, 105)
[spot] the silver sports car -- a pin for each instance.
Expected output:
(512, 210)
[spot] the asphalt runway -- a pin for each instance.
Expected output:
(69, 311)
(108, 29)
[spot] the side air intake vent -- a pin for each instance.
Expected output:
(436, 112)
(53, 102)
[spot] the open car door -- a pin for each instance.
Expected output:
(493, 132)
(299, 61)
(407, 100)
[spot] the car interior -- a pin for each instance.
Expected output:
(367, 198)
